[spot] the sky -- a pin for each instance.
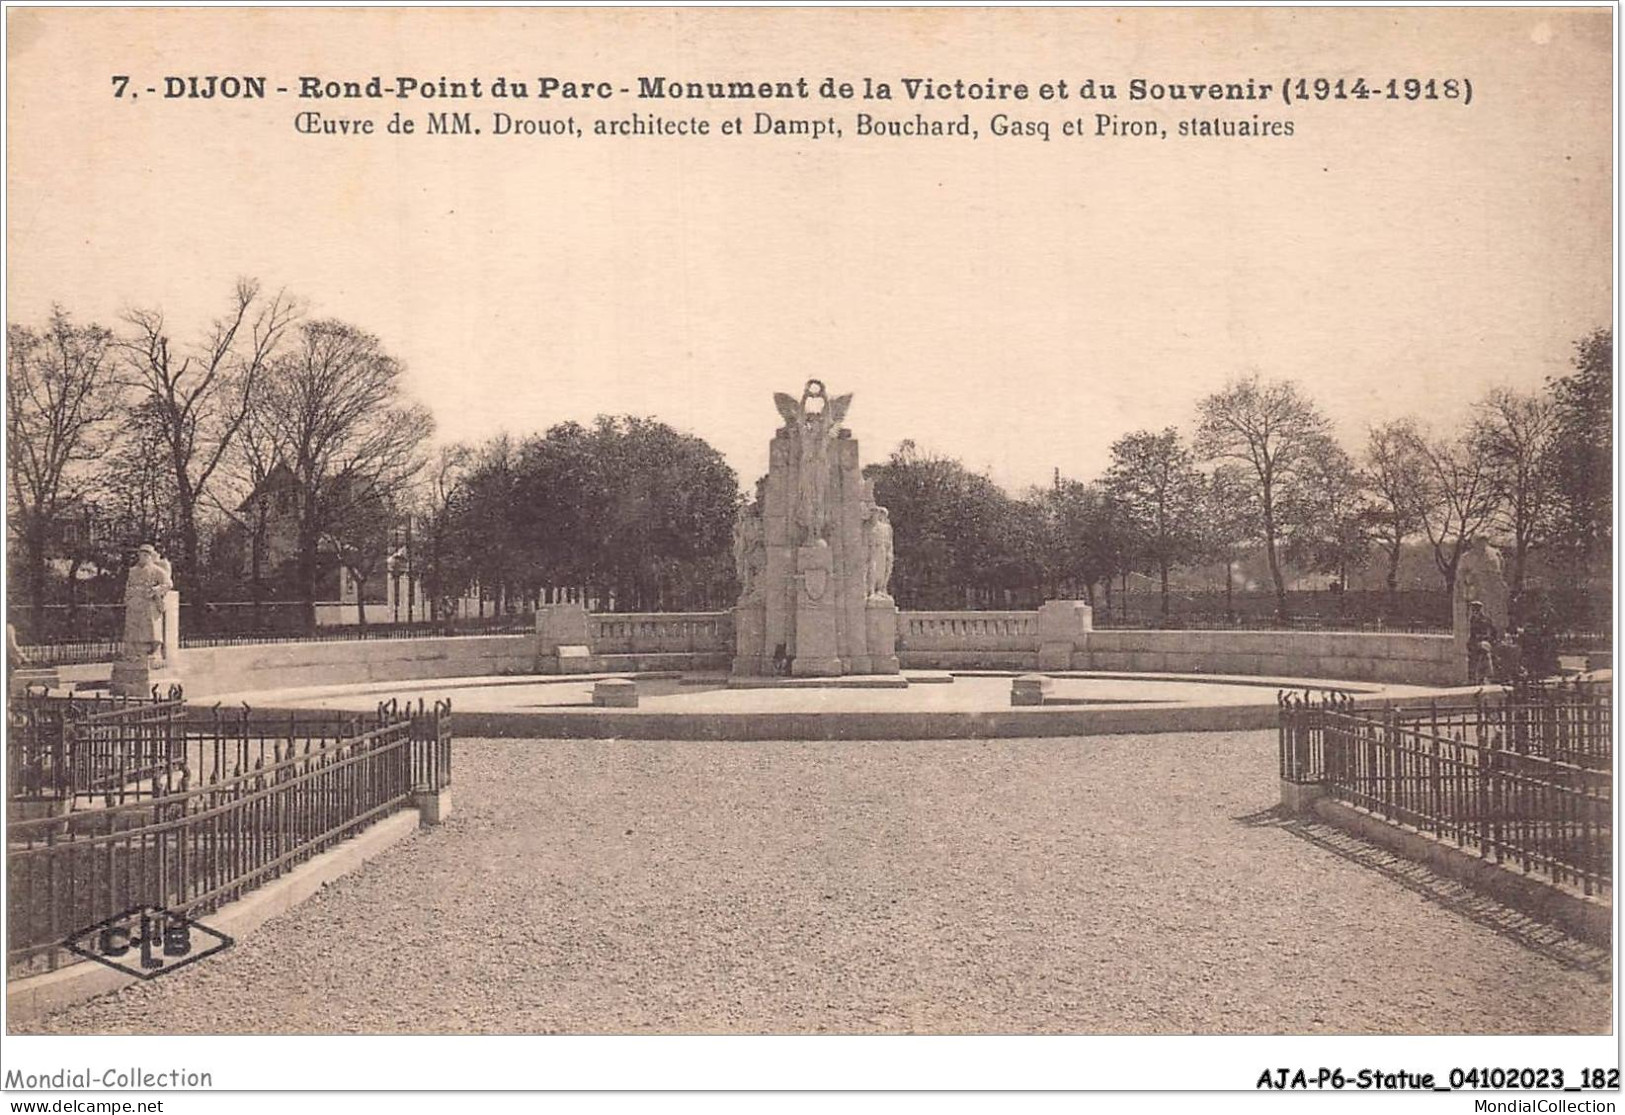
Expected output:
(1013, 303)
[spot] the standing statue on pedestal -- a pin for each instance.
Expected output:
(812, 430)
(144, 592)
(879, 533)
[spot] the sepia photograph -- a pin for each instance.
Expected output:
(720, 522)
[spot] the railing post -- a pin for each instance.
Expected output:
(1300, 781)
(432, 794)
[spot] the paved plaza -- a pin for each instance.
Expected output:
(1126, 884)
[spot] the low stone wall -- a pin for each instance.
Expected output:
(206, 671)
(1352, 655)
(1055, 639)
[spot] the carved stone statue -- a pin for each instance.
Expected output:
(812, 428)
(880, 553)
(144, 591)
(1479, 577)
(749, 552)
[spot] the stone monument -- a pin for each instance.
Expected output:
(813, 554)
(152, 610)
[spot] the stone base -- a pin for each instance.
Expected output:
(572, 660)
(615, 693)
(849, 681)
(137, 679)
(433, 806)
(1298, 798)
(1030, 689)
(803, 667)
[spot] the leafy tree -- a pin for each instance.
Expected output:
(1273, 430)
(628, 507)
(1229, 524)
(60, 396)
(495, 529)
(1085, 540)
(442, 563)
(958, 538)
(1583, 458)
(1329, 514)
(1159, 493)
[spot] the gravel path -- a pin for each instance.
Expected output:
(1132, 884)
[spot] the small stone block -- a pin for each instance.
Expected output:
(434, 806)
(1030, 689)
(615, 693)
(575, 660)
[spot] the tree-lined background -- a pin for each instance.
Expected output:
(266, 449)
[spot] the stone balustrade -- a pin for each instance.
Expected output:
(974, 631)
(660, 632)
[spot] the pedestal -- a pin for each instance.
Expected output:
(880, 619)
(750, 634)
(816, 653)
(1063, 630)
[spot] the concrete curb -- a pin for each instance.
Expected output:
(1590, 919)
(1031, 723)
(34, 997)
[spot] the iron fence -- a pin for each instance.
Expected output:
(112, 748)
(251, 798)
(1525, 784)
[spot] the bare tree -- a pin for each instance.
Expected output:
(1518, 434)
(244, 496)
(1459, 497)
(1396, 477)
(60, 393)
(347, 436)
(1276, 433)
(1161, 494)
(200, 399)
(361, 540)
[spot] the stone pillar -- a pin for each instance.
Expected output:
(1063, 630)
(562, 625)
(881, 616)
(433, 806)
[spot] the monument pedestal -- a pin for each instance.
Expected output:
(880, 621)
(750, 633)
(817, 647)
(136, 679)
